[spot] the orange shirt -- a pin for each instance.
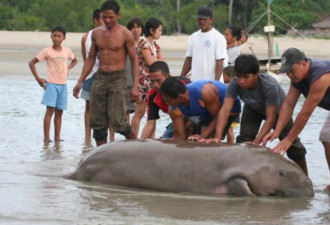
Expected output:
(57, 63)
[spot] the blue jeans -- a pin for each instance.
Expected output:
(168, 134)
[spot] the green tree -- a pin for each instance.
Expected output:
(303, 15)
(76, 15)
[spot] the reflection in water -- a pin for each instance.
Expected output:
(51, 150)
(87, 146)
(132, 202)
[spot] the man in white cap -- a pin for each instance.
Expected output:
(311, 78)
(206, 54)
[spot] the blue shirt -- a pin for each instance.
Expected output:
(197, 106)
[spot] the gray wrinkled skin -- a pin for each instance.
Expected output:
(171, 166)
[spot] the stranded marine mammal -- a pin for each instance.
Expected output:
(182, 166)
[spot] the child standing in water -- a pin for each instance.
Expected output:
(55, 94)
(228, 74)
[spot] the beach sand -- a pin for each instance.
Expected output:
(20, 47)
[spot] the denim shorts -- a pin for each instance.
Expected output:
(85, 95)
(130, 104)
(55, 95)
(87, 84)
(168, 134)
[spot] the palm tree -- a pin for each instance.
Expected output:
(230, 11)
(178, 20)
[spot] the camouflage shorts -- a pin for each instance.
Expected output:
(108, 103)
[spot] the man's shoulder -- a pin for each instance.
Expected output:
(97, 30)
(123, 29)
(319, 66)
(268, 80)
(234, 89)
(195, 34)
(125, 34)
(217, 33)
(270, 86)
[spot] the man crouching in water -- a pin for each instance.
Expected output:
(111, 42)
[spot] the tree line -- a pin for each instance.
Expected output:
(178, 16)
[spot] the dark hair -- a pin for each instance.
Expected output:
(159, 66)
(172, 87)
(229, 71)
(243, 32)
(60, 29)
(245, 64)
(111, 5)
(235, 31)
(97, 14)
(152, 23)
(136, 21)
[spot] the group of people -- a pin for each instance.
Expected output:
(201, 108)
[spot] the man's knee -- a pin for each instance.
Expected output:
(128, 133)
(100, 134)
(244, 138)
(324, 135)
(296, 153)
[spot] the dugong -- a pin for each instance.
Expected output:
(183, 166)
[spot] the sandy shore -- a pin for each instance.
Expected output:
(174, 47)
(312, 47)
(42, 39)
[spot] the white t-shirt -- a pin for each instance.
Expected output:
(205, 48)
(88, 43)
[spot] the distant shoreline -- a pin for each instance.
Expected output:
(19, 47)
(314, 48)
(42, 39)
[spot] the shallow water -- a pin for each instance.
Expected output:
(33, 190)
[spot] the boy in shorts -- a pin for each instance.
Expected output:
(86, 42)
(55, 94)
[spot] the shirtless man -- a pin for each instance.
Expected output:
(112, 42)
